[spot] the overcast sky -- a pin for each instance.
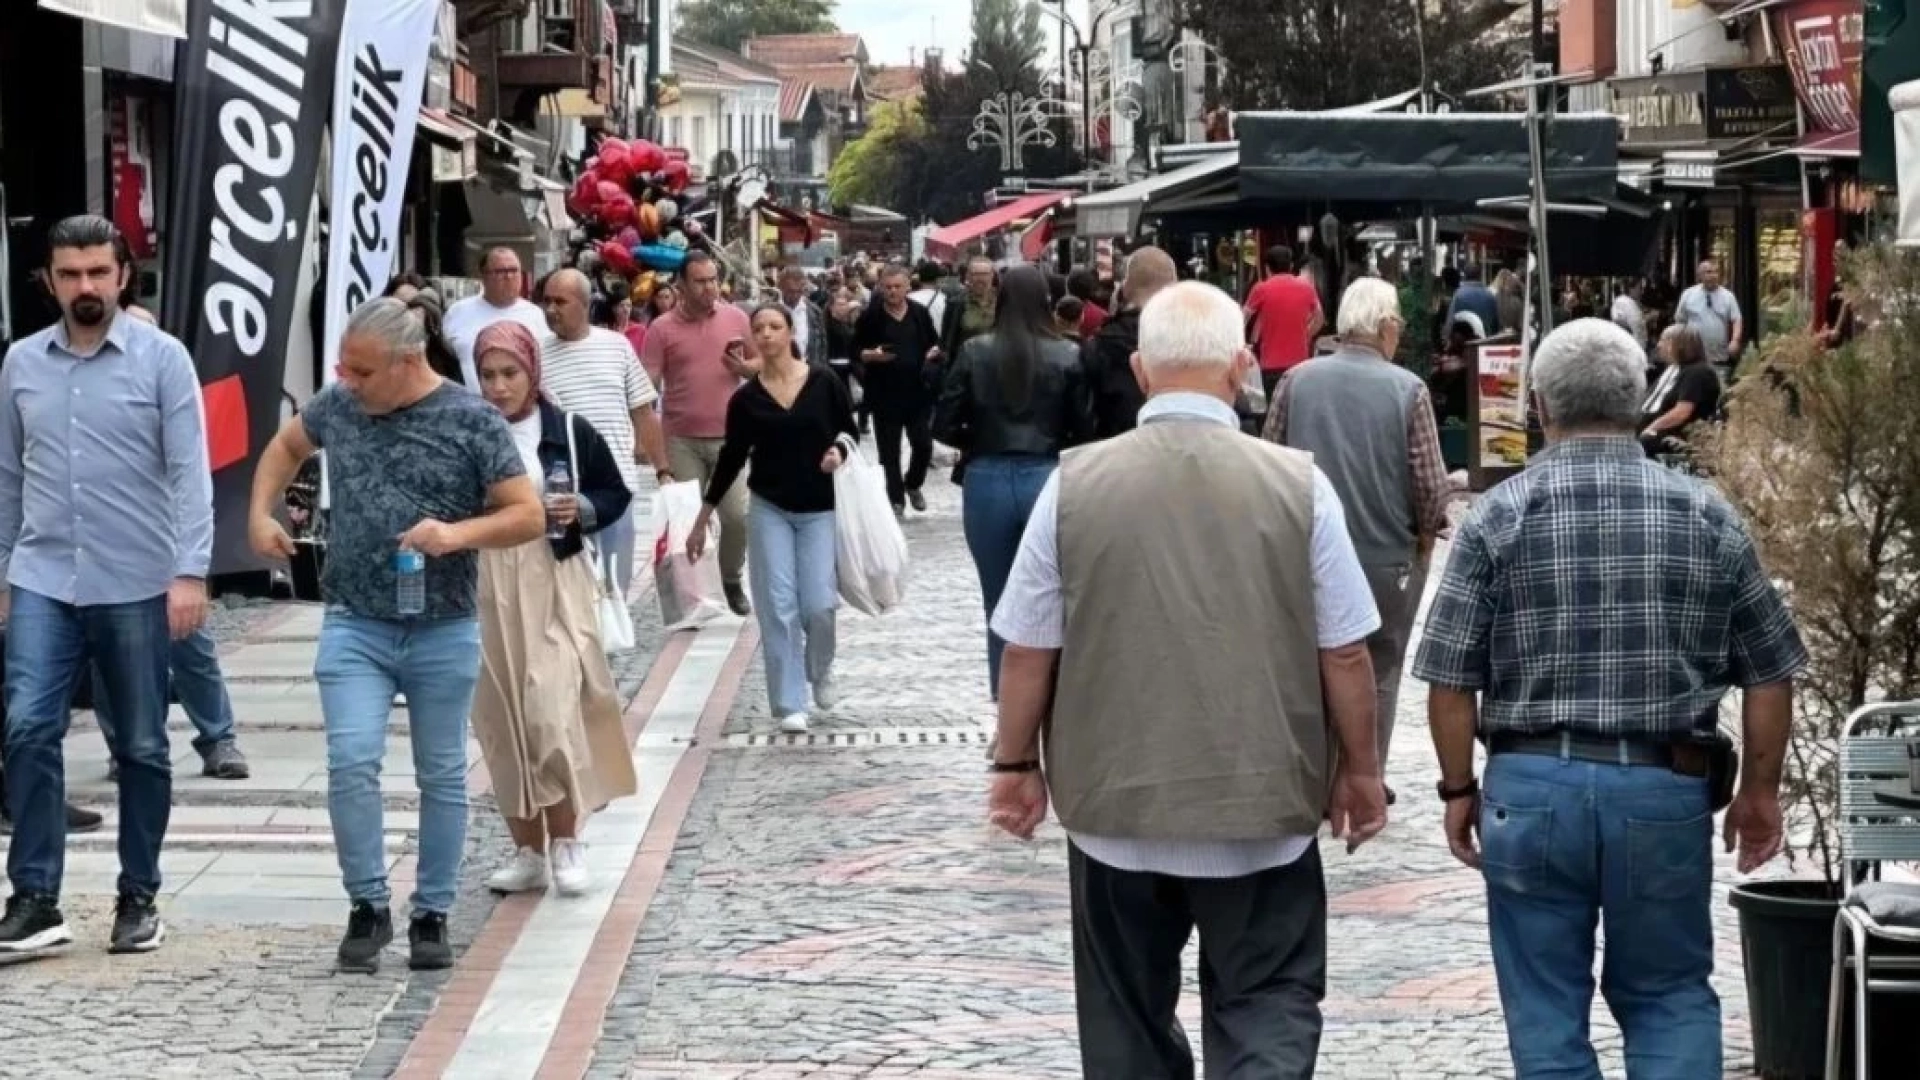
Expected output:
(893, 27)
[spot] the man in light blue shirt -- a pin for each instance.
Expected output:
(106, 530)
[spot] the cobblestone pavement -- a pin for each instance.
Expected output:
(839, 908)
(831, 905)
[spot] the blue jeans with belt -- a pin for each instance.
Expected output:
(360, 665)
(48, 645)
(997, 499)
(1567, 845)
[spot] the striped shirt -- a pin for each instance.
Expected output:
(600, 378)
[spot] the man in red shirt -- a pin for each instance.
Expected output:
(1283, 317)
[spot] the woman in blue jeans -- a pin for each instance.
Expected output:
(1012, 401)
(788, 421)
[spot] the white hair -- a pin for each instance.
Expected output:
(1366, 308)
(391, 323)
(1191, 326)
(1590, 373)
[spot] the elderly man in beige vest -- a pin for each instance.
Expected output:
(1187, 622)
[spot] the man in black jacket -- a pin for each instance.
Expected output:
(900, 353)
(1108, 354)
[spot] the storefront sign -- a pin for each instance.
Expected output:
(252, 92)
(1689, 170)
(1502, 442)
(1824, 41)
(1713, 104)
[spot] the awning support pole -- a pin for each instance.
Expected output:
(1537, 120)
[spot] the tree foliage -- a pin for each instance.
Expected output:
(729, 23)
(1821, 455)
(1316, 54)
(922, 166)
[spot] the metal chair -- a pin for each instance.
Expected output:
(1875, 749)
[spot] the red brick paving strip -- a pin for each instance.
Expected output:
(438, 1041)
(571, 1050)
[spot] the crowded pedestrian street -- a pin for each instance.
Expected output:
(771, 906)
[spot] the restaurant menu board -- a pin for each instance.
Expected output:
(1502, 440)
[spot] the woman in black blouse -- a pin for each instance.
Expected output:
(789, 421)
(1015, 398)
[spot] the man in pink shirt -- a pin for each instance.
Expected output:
(697, 356)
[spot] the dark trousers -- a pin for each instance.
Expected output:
(49, 644)
(997, 499)
(890, 422)
(1263, 970)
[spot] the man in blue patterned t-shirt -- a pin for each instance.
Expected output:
(417, 464)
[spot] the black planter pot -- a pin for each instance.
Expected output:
(1786, 943)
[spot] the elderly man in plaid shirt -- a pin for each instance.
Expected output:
(1599, 606)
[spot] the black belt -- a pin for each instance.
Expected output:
(1589, 748)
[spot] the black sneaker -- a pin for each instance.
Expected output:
(82, 821)
(737, 600)
(224, 761)
(32, 927)
(369, 929)
(427, 937)
(918, 500)
(136, 925)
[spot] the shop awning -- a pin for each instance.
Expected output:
(1830, 144)
(1117, 212)
(946, 241)
(168, 17)
(1447, 159)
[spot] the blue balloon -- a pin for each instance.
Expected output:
(661, 257)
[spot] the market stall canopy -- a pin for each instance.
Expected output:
(1117, 212)
(946, 241)
(1447, 159)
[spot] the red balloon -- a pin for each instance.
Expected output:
(678, 176)
(646, 157)
(618, 259)
(585, 195)
(616, 160)
(617, 210)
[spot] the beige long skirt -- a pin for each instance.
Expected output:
(546, 712)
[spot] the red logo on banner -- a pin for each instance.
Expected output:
(1824, 40)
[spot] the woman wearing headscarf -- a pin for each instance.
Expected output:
(546, 713)
(1014, 399)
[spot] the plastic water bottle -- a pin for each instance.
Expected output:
(410, 580)
(559, 485)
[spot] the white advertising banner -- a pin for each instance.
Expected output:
(379, 77)
(167, 17)
(1905, 100)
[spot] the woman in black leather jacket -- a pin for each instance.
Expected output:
(1012, 400)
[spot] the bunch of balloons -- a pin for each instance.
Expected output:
(628, 203)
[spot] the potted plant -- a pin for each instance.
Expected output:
(1821, 454)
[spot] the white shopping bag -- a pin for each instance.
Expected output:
(690, 593)
(870, 550)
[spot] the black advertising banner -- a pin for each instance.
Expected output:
(255, 90)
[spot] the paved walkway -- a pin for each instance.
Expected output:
(830, 905)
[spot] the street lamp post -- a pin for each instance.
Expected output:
(1083, 49)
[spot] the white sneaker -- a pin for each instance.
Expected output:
(825, 694)
(525, 872)
(569, 866)
(794, 723)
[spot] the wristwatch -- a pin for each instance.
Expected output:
(1465, 791)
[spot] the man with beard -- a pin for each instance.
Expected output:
(106, 530)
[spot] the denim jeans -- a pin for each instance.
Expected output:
(796, 587)
(195, 662)
(48, 644)
(361, 664)
(997, 499)
(1570, 844)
